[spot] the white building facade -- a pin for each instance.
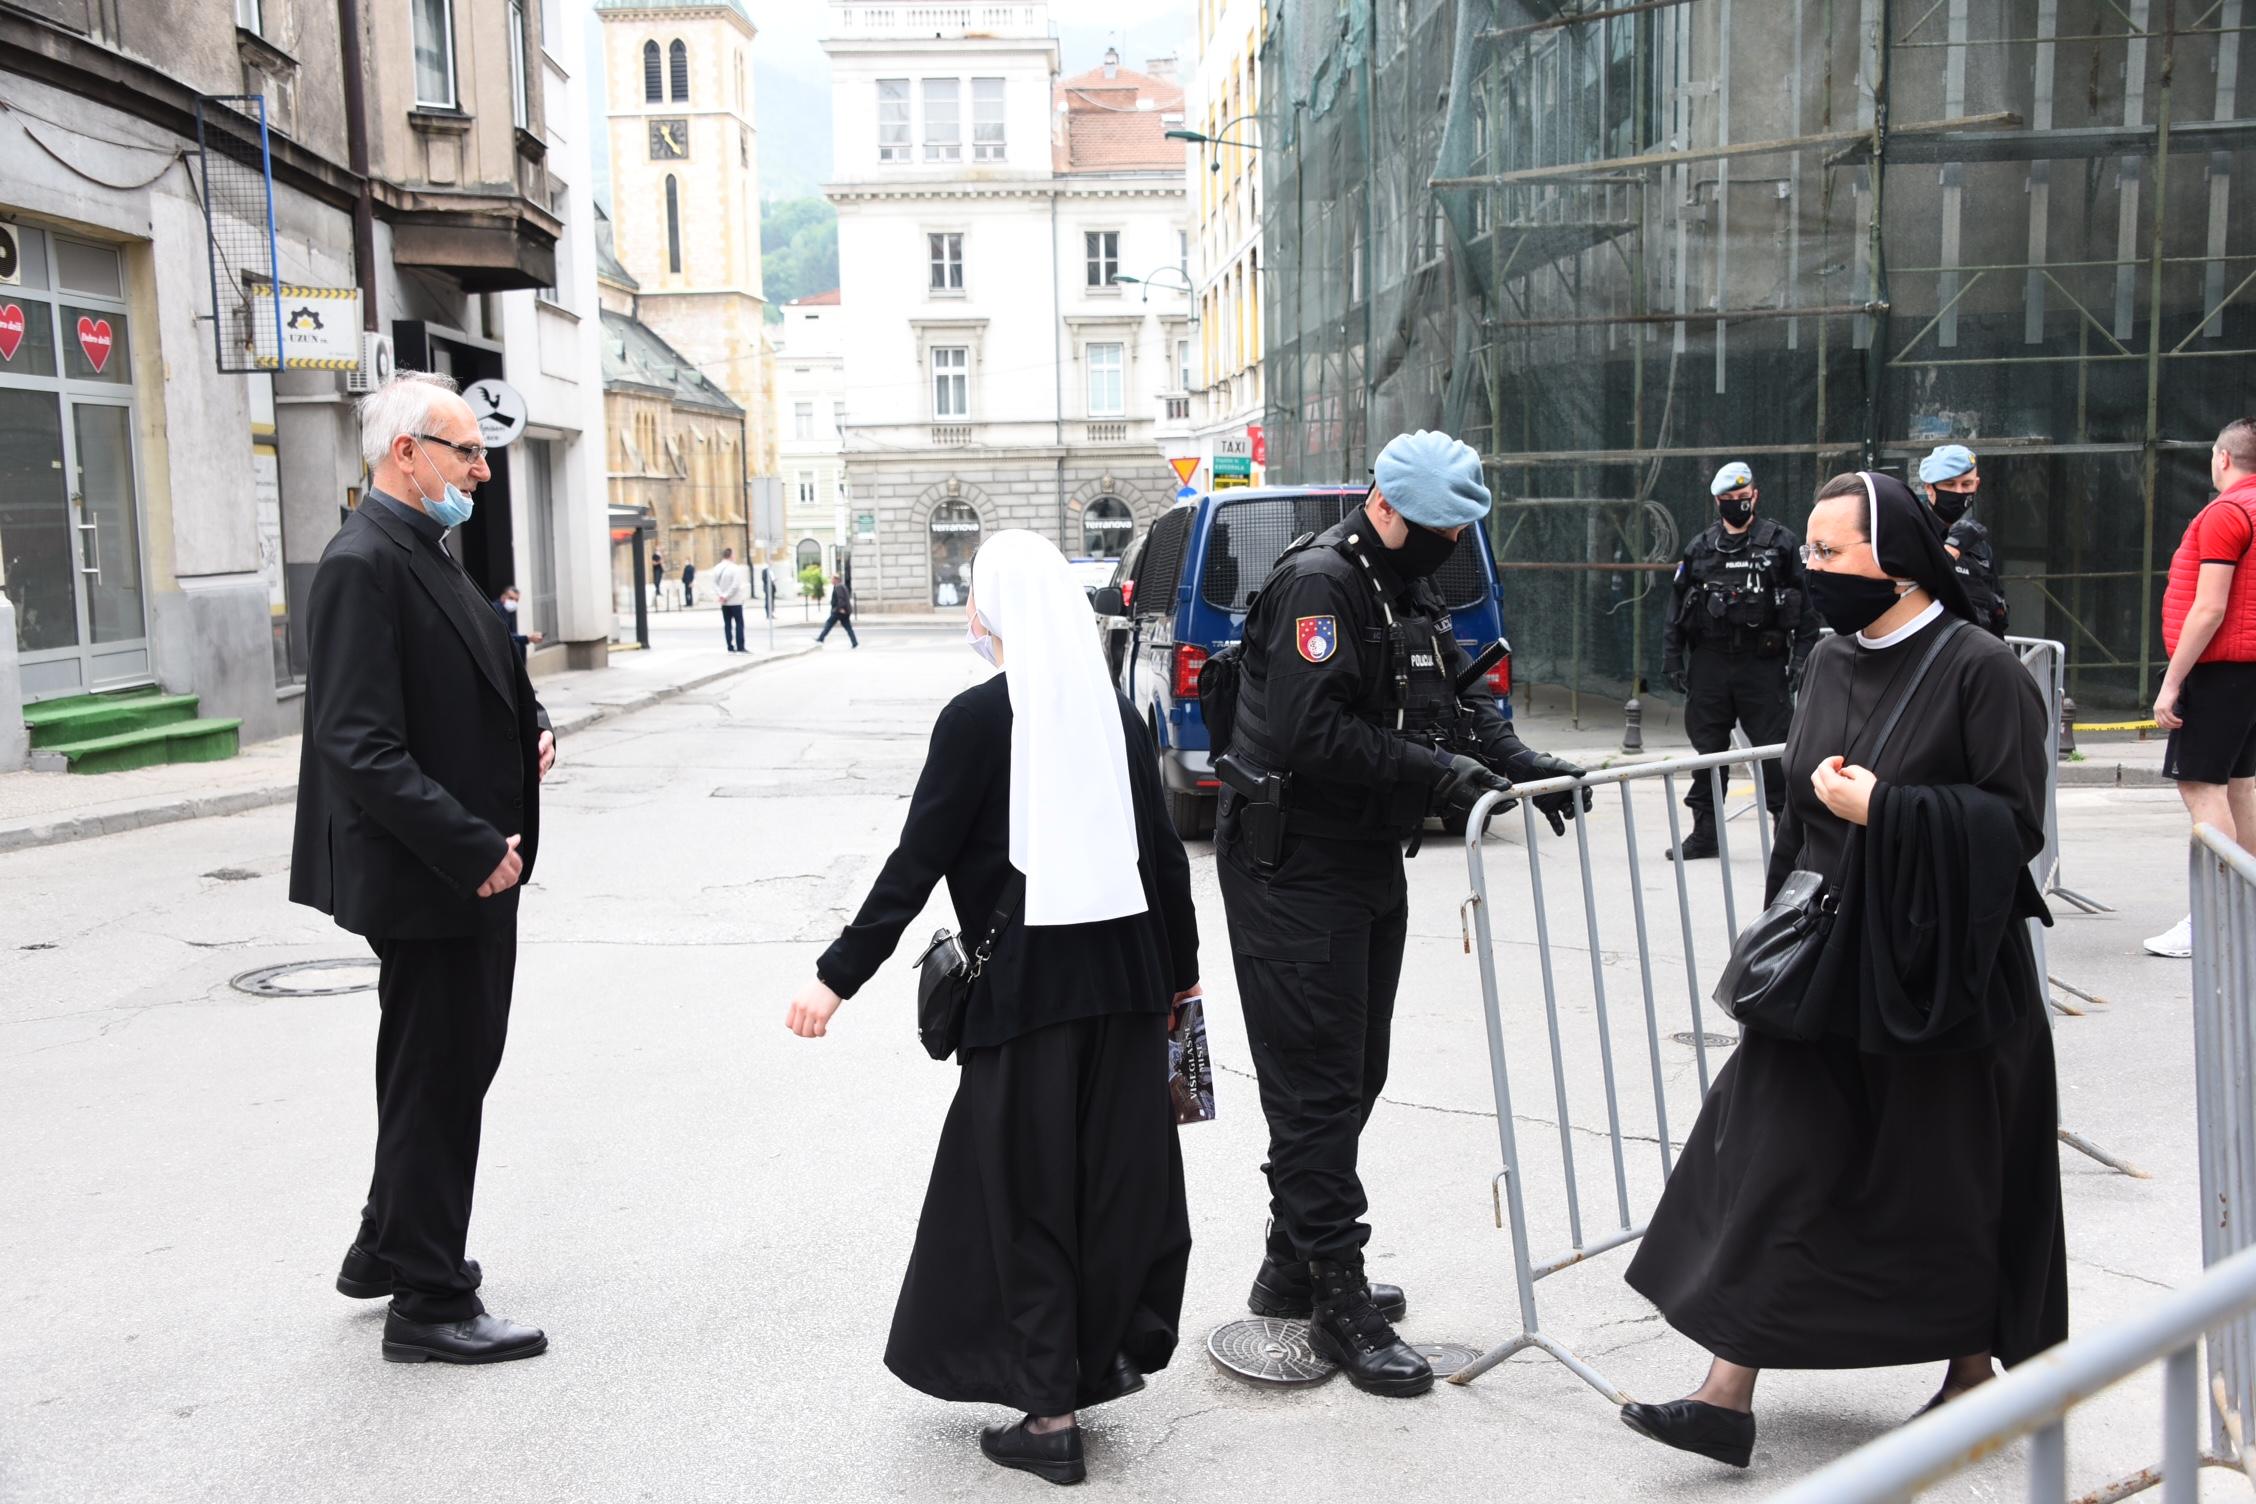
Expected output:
(1225, 173)
(820, 525)
(998, 373)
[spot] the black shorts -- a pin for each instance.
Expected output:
(2217, 743)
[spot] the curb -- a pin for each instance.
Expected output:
(87, 827)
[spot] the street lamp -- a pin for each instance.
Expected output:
(1216, 139)
(1146, 283)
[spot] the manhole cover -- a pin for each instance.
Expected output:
(1446, 1357)
(1712, 1041)
(309, 979)
(1268, 1351)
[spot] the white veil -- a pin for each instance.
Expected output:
(1072, 817)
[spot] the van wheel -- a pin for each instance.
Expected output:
(1191, 813)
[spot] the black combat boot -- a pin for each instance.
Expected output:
(1349, 1330)
(1282, 1289)
(1700, 844)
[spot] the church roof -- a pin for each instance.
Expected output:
(735, 5)
(607, 267)
(634, 356)
(816, 300)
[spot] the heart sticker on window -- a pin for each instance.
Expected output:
(94, 339)
(11, 329)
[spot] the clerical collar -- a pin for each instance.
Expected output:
(1934, 609)
(426, 526)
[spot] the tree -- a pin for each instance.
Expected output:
(798, 250)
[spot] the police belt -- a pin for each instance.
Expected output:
(1273, 791)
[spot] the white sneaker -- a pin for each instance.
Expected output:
(2176, 941)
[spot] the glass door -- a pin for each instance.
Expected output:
(106, 518)
(35, 540)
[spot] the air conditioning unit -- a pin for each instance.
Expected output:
(375, 363)
(11, 256)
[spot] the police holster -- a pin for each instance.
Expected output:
(1258, 809)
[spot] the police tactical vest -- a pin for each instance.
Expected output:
(1735, 596)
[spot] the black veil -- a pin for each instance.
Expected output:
(1907, 538)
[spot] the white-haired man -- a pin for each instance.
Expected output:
(418, 817)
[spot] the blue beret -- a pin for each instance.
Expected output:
(1432, 479)
(1731, 478)
(1946, 462)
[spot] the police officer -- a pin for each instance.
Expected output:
(1951, 477)
(1741, 614)
(1352, 723)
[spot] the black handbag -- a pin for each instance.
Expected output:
(946, 975)
(1768, 984)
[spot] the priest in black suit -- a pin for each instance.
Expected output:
(418, 819)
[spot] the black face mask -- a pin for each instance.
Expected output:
(1735, 510)
(1952, 505)
(1423, 552)
(1849, 602)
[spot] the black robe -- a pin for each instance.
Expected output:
(1890, 1193)
(1055, 1236)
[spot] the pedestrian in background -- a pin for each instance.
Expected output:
(1884, 1187)
(1951, 479)
(418, 819)
(841, 611)
(2208, 698)
(731, 587)
(1049, 1262)
(658, 579)
(689, 583)
(1735, 642)
(508, 604)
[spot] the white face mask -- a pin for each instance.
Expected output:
(510, 607)
(981, 643)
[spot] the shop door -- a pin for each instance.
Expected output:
(106, 519)
(70, 518)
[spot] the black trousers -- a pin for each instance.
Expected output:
(445, 1018)
(732, 628)
(1742, 689)
(1317, 944)
(839, 619)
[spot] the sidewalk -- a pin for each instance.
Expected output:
(43, 809)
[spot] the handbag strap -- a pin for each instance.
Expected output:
(1888, 728)
(1014, 889)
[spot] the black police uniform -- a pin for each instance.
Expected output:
(1346, 689)
(1742, 613)
(1977, 568)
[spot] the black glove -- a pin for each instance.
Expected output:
(1463, 781)
(1558, 808)
(1672, 670)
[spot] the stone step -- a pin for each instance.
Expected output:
(209, 740)
(85, 718)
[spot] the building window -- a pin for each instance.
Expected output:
(951, 381)
(673, 225)
(943, 120)
(1103, 247)
(560, 198)
(247, 15)
(743, 147)
(955, 542)
(677, 68)
(520, 95)
(803, 420)
(1107, 367)
(810, 554)
(740, 81)
(946, 253)
(806, 488)
(1183, 253)
(987, 120)
(434, 54)
(652, 74)
(1182, 365)
(1106, 528)
(893, 120)
(838, 422)
(551, 24)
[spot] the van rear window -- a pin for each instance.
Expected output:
(1247, 537)
(1162, 565)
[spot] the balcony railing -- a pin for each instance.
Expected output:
(951, 435)
(1176, 409)
(857, 19)
(1104, 433)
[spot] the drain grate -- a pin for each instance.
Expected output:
(1447, 1357)
(310, 978)
(1712, 1041)
(1264, 1350)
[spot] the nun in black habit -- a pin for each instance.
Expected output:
(1889, 1193)
(1048, 1268)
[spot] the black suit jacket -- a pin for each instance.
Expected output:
(421, 751)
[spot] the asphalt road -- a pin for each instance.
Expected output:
(710, 1216)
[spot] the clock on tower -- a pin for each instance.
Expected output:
(669, 140)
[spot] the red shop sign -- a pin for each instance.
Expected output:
(11, 329)
(94, 339)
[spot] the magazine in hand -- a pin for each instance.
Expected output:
(1190, 1067)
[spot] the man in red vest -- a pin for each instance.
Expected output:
(2208, 698)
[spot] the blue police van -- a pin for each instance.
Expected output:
(1181, 594)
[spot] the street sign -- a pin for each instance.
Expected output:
(320, 327)
(1259, 442)
(500, 410)
(1185, 466)
(1233, 466)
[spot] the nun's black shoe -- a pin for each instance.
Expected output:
(1283, 1289)
(1055, 1455)
(367, 1277)
(1116, 1382)
(1696, 1426)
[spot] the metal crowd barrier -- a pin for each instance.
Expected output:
(2047, 662)
(1511, 1182)
(2034, 1400)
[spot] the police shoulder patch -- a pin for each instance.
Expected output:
(1317, 637)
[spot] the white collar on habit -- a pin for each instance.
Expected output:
(1934, 609)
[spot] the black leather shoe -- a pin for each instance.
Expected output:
(1055, 1455)
(1348, 1329)
(1116, 1382)
(1696, 1426)
(481, 1339)
(1282, 1289)
(1698, 846)
(367, 1277)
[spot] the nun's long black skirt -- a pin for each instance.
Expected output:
(1055, 1235)
(1834, 1209)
